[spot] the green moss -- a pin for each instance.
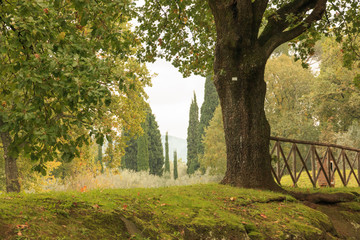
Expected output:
(354, 206)
(192, 212)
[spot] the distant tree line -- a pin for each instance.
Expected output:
(145, 152)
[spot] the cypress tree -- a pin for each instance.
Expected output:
(129, 160)
(175, 165)
(156, 155)
(211, 101)
(193, 138)
(142, 153)
(167, 160)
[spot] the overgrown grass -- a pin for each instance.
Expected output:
(182, 212)
(121, 179)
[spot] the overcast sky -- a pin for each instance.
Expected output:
(170, 97)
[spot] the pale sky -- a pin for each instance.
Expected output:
(170, 97)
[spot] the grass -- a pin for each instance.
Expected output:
(200, 211)
(304, 181)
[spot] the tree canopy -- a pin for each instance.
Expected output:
(66, 65)
(185, 31)
(59, 67)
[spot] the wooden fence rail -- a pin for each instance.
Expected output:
(320, 167)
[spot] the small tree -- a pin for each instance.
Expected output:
(167, 161)
(214, 156)
(175, 165)
(193, 138)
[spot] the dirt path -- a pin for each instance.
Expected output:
(346, 222)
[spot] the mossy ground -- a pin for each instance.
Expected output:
(210, 211)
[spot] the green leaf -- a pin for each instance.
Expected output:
(100, 139)
(357, 80)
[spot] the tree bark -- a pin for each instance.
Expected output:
(239, 68)
(11, 170)
(247, 131)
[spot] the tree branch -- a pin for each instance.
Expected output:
(277, 23)
(276, 35)
(259, 8)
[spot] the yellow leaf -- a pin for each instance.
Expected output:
(61, 36)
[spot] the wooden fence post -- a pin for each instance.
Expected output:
(313, 165)
(358, 160)
(294, 163)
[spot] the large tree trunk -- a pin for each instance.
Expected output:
(247, 132)
(239, 79)
(11, 170)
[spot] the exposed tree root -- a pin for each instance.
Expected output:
(323, 198)
(131, 227)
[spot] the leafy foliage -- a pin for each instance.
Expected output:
(214, 145)
(288, 106)
(335, 96)
(60, 72)
(183, 30)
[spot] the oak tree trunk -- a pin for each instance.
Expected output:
(11, 170)
(239, 67)
(247, 131)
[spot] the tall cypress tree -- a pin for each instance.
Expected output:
(211, 101)
(156, 155)
(129, 160)
(167, 160)
(193, 138)
(175, 166)
(142, 152)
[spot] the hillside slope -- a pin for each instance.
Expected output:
(209, 211)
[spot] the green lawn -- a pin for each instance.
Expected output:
(210, 211)
(304, 181)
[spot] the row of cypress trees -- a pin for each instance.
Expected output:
(167, 160)
(196, 128)
(145, 153)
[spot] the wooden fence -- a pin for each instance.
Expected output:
(319, 161)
